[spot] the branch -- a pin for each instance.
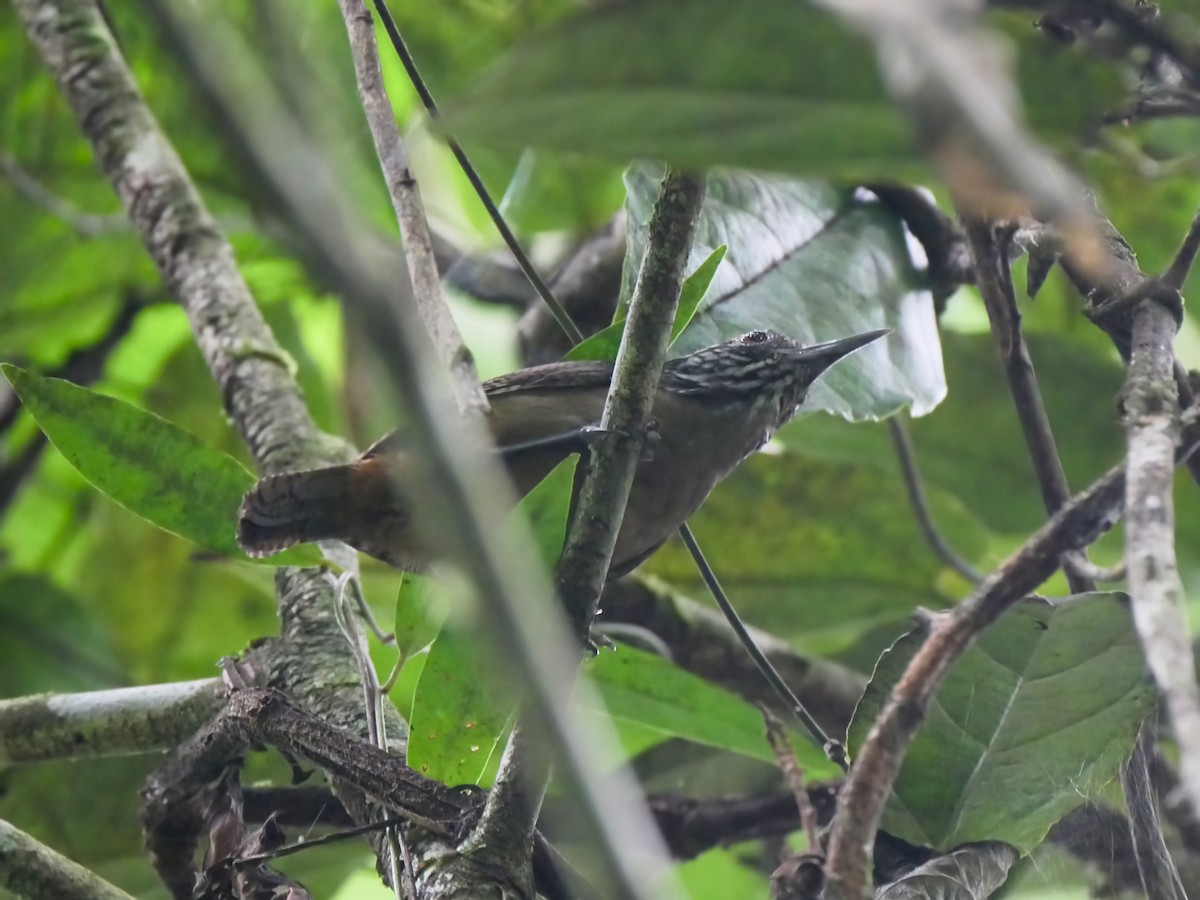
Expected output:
(410, 212)
(459, 490)
(31, 869)
(118, 722)
(1152, 430)
(587, 285)
(607, 477)
(995, 286)
(197, 264)
(1073, 527)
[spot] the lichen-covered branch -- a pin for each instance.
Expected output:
(116, 722)
(1152, 431)
(29, 869)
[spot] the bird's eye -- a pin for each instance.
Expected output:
(755, 337)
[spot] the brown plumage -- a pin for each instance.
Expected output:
(713, 408)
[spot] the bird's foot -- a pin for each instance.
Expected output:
(651, 439)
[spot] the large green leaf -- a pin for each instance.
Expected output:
(146, 464)
(972, 445)
(604, 344)
(457, 717)
(647, 690)
(815, 262)
(762, 84)
(1033, 721)
(820, 551)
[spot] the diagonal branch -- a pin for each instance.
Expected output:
(29, 868)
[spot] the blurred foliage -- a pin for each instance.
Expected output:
(814, 539)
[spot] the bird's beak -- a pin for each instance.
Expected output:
(831, 351)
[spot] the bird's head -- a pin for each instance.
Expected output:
(764, 365)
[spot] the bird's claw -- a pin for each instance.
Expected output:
(597, 642)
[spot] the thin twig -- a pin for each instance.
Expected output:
(994, 279)
(834, 749)
(86, 224)
(510, 239)
(1181, 265)
(916, 496)
(793, 775)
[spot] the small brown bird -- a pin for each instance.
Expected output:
(713, 408)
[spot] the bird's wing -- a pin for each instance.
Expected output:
(584, 377)
(556, 376)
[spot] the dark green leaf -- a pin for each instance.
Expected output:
(815, 262)
(146, 464)
(761, 84)
(604, 344)
(546, 509)
(820, 551)
(419, 614)
(647, 690)
(1033, 721)
(457, 719)
(972, 446)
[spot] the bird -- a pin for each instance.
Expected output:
(712, 409)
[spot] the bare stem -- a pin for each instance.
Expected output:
(907, 458)
(410, 211)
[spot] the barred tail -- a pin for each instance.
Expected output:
(283, 510)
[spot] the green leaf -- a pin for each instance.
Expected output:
(457, 721)
(547, 507)
(146, 464)
(420, 611)
(694, 288)
(1033, 721)
(820, 552)
(647, 690)
(971, 445)
(764, 84)
(814, 262)
(603, 345)
(457, 717)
